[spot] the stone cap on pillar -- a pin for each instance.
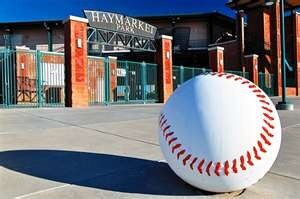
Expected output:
(250, 56)
(165, 37)
(74, 18)
(215, 48)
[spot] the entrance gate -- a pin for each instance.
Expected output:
(31, 78)
(128, 82)
(136, 82)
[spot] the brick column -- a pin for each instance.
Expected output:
(276, 47)
(297, 51)
(76, 86)
(165, 73)
(216, 59)
(112, 61)
(251, 63)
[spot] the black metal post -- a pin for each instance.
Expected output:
(283, 105)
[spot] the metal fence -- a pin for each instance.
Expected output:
(96, 80)
(181, 74)
(267, 83)
(136, 82)
(31, 78)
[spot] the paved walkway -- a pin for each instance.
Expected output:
(113, 152)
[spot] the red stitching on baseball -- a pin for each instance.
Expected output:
(261, 96)
(175, 147)
(267, 132)
(265, 139)
(163, 123)
(256, 91)
(166, 128)
(220, 75)
(256, 154)
(260, 146)
(161, 119)
(217, 168)
(186, 159)
(242, 165)
(249, 161)
(180, 153)
(269, 124)
(172, 140)
(234, 168)
(245, 82)
(192, 163)
(238, 78)
(168, 135)
(252, 86)
(264, 102)
(267, 109)
(208, 168)
(226, 167)
(200, 166)
(268, 116)
(229, 76)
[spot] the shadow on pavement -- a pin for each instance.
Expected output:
(103, 171)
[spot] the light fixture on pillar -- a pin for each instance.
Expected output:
(269, 2)
(283, 105)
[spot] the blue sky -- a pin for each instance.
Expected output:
(35, 10)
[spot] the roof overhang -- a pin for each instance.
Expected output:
(248, 4)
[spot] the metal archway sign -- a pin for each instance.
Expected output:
(106, 28)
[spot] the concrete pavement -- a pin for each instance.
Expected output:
(113, 152)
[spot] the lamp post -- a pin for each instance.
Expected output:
(283, 105)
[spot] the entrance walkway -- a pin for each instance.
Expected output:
(113, 152)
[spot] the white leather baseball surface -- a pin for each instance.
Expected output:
(219, 132)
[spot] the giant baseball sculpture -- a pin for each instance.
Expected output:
(219, 132)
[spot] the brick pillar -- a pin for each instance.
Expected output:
(76, 86)
(112, 61)
(216, 59)
(164, 60)
(251, 64)
(276, 46)
(297, 51)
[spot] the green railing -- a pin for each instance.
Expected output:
(31, 78)
(181, 74)
(267, 83)
(136, 83)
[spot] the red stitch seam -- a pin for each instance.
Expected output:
(267, 132)
(180, 153)
(260, 146)
(200, 166)
(192, 163)
(168, 135)
(186, 159)
(267, 109)
(242, 162)
(217, 168)
(163, 123)
(166, 128)
(208, 168)
(175, 147)
(226, 167)
(265, 139)
(268, 116)
(172, 140)
(256, 154)
(269, 124)
(234, 168)
(249, 161)
(230, 76)
(252, 86)
(264, 102)
(238, 78)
